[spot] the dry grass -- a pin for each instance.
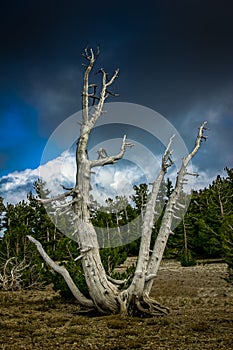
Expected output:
(201, 317)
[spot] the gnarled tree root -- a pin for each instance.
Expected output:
(146, 307)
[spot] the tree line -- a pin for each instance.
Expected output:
(205, 232)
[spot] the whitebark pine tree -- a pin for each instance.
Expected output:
(104, 291)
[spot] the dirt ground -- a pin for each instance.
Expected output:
(201, 317)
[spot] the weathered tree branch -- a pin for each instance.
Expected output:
(139, 279)
(166, 159)
(117, 282)
(63, 272)
(112, 159)
(57, 198)
(169, 214)
(68, 204)
(89, 55)
(103, 95)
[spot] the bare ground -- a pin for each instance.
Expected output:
(201, 317)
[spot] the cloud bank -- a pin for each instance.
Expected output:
(107, 182)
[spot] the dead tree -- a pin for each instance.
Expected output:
(11, 274)
(104, 291)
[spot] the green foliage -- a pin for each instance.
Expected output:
(140, 197)
(204, 232)
(126, 275)
(14, 245)
(186, 259)
(112, 257)
(30, 218)
(204, 221)
(227, 239)
(20, 220)
(76, 273)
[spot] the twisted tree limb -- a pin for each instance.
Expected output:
(64, 273)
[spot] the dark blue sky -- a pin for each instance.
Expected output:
(175, 57)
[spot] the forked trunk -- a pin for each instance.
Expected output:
(105, 294)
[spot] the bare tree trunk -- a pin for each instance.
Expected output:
(136, 290)
(104, 290)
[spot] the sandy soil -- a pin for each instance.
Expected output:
(201, 317)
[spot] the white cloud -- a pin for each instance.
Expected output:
(15, 186)
(204, 178)
(112, 181)
(57, 172)
(108, 181)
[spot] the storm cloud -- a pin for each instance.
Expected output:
(174, 57)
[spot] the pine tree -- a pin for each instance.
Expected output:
(227, 223)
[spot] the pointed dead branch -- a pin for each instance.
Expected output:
(57, 198)
(63, 212)
(180, 205)
(112, 93)
(117, 282)
(177, 217)
(68, 204)
(166, 159)
(79, 257)
(150, 277)
(192, 174)
(102, 153)
(85, 250)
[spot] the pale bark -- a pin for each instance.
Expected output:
(103, 290)
(11, 274)
(138, 283)
(64, 273)
(165, 229)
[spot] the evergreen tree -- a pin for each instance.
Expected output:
(140, 197)
(227, 223)
(204, 221)
(227, 239)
